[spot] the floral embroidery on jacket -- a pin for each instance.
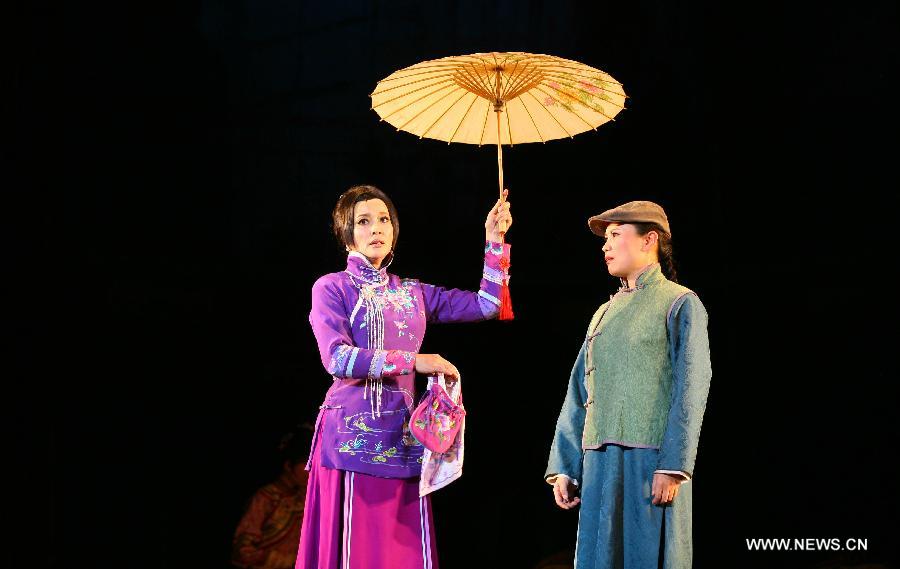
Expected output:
(352, 446)
(361, 425)
(493, 248)
(339, 359)
(400, 299)
(398, 362)
(385, 454)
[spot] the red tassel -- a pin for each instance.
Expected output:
(506, 311)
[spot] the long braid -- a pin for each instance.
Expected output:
(666, 258)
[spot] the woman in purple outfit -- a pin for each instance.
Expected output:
(363, 508)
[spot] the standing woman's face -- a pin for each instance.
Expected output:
(373, 232)
(625, 251)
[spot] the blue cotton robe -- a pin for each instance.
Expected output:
(618, 526)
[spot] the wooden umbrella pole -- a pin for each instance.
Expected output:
(497, 110)
(506, 311)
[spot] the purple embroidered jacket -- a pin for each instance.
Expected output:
(369, 326)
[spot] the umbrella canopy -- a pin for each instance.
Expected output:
(536, 98)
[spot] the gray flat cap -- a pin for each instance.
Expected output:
(631, 212)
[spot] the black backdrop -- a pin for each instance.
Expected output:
(173, 171)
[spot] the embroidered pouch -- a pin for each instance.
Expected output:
(438, 418)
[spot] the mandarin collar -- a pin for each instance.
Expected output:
(651, 274)
(360, 267)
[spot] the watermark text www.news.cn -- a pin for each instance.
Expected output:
(808, 544)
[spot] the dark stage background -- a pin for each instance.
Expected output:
(174, 168)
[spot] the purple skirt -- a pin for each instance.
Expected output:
(357, 521)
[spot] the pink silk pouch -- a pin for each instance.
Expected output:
(438, 418)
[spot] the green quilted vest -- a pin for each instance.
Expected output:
(628, 374)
